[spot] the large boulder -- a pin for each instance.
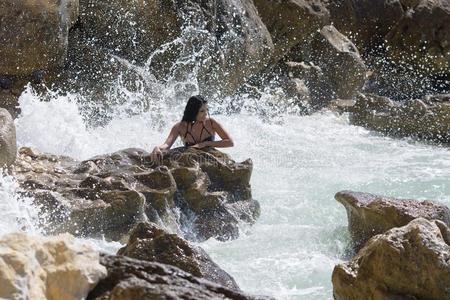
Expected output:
(421, 38)
(34, 34)
(219, 44)
(200, 194)
(47, 268)
(370, 214)
(332, 67)
(8, 144)
(366, 22)
(410, 262)
(427, 118)
(291, 22)
(150, 243)
(135, 279)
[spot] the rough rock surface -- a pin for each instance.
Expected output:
(201, 193)
(410, 262)
(222, 42)
(47, 268)
(34, 34)
(150, 243)
(427, 118)
(134, 279)
(8, 145)
(370, 214)
(291, 22)
(332, 67)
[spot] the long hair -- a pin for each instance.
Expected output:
(192, 108)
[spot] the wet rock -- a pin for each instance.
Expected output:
(409, 262)
(33, 36)
(228, 38)
(366, 22)
(200, 194)
(291, 22)
(47, 268)
(8, 145)
(135, 279)
(370, 214)
(424, 47)
(150, 243)
(427, 118)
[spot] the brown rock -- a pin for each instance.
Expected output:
(135, 279)
(291, 22)
(370, 214)
(410, 262)
(150, 243)
(33, 35)
(109, 194)
(421, 38)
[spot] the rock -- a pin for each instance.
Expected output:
(150, 243)
(427, 118)
(331, 67)
(366, 22)
(200, 194)
(370, 214)
(134, 279)
(48, 268)
(8, 144)
(424, 47)
(228, 38)
(291, 22)
(410, 262)
(34, 35)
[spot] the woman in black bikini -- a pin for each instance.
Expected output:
(195, 129)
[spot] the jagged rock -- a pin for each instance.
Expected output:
(201, 194)
(366, 22)
(135, 279)
(291, 22)
(332, 69)
(8, 144)
(370, 214)
(150, 243)
(47, 268)
(424, 47)
(410, 262)
(228, 38)
(427, 118)
(34, 35)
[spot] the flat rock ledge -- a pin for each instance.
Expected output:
(370, 214)
(198, 194)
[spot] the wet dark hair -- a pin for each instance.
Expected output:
(192, 108)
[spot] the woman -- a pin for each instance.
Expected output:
(196, 129)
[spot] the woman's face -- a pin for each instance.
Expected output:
(202, 113)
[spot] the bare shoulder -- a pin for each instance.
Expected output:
(179, 126)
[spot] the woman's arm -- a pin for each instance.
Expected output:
(226, 141)
(158, 150)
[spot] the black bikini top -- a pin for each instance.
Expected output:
(208, 138)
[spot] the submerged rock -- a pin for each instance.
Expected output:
(410, 262)
(8, 145)
(47, 268)
(200, 193)
(369, 214)
(134, 279)
(150, 243)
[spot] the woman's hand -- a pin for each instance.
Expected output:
(156, 154)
